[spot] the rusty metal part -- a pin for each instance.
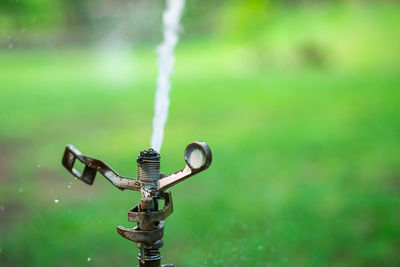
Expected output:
(134, 215)
(148, 167)
(154, 220)
(94, 165)
(192, 167)
(204, 149)
(143, 236)
(150, 253)
(148, 163)
(150, 220)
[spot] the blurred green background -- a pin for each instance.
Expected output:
(298, 100)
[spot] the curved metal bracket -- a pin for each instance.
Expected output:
(95, 165)
(135, 215)
(192, 166)
(143, 236)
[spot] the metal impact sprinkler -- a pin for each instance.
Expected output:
(151, 183)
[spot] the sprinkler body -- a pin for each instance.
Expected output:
(148, 214)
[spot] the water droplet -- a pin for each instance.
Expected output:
(21, 190)
(89, 259)
(10, 45)
(38, 165)
(69, 185)
(260, 247)
(56, 200)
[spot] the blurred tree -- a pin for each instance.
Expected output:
(30, 21)
(36, 22)
(245, 19)
(76, 17)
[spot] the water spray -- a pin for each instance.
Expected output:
(148, 214)
(166, 59)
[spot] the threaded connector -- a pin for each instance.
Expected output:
(148, 163)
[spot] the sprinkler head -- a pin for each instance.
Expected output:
(197, 156)
(148, 214)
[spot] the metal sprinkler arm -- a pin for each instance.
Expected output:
(175, 178)
(198, 158)
(95, 165)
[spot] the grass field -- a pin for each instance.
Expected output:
(305, 165)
